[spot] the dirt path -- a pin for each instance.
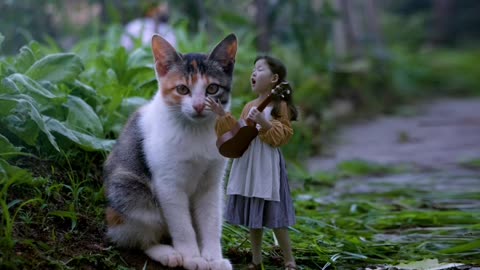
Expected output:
(437, 139)
(438, 136)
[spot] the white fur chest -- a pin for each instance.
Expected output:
(175, 151)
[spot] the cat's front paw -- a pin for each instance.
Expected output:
(195, 263)
(165, 255)
(222, 264)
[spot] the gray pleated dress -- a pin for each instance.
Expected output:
(258, 190)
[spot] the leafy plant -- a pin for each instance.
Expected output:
(362, 168)
(472, 164)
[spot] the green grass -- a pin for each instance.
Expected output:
(472, 163)
(357, 232)
(345, 169)
(399, 225)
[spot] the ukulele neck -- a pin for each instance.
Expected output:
(260, 108)
(264, 103)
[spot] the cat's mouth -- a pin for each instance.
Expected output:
(199, 116)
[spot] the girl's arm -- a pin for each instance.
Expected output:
(226, 122)
(281, 131)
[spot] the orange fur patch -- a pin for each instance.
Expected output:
(169, 92)
(194, 65)
(232, 50)
(193, 79)
(207, 80)
(113, 217)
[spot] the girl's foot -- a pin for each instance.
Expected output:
(291, 266)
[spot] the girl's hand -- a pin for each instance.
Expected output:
(258, 117)
(214, 106)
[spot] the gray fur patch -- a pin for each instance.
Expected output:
(126, 174)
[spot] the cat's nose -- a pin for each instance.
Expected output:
(199, 107)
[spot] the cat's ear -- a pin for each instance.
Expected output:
(164, 54)
(224, 53)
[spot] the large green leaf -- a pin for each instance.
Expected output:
(20, 83)
(55, 68)
(140, 58)
(24, 60)
(25, 120)
(6, 107)
(82, 117)
(18, 121)
(116, 62)
(141, 77)
(12, 173)
(91, 143)
(7, 149)
(39, 50)
(85, 141)
(84, 89)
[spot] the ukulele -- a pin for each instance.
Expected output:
(235, 142)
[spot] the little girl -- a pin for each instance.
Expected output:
(259, 195)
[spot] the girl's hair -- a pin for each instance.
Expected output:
(277, 67)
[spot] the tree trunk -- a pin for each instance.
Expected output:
(263, 29)
(203, 16)
(373, 27)
(348, 29)
(441, 14)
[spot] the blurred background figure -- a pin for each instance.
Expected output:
(155, 22)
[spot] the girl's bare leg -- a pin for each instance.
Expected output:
(284, 242)
(256, 240)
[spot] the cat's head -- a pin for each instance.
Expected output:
(185, 80)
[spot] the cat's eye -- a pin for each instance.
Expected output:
(182, 89)
(212, 89)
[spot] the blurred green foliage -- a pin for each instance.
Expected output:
(113, 81)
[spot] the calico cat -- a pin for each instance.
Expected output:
(163, 179)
